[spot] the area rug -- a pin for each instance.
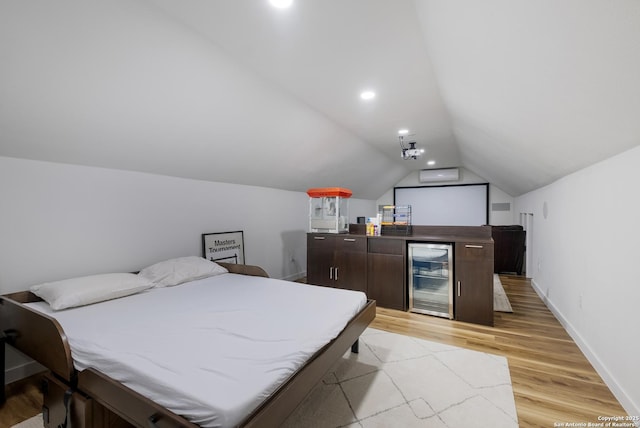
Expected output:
(401, 381)
(500, 300)
(34, 422)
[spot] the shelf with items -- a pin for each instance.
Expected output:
(431, 296)
(430, 268)
(431, 285)
(395, 219)
(428, 276)
(431, 307)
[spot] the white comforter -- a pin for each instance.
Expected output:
(210, 350)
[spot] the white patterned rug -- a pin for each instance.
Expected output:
(500, 300)
(401, 381)
(34, 422)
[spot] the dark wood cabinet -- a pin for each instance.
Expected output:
(473, 282)
(386, 270)
(320, 257)
(377, 265)
(338, 261)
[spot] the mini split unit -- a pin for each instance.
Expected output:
(435, 175)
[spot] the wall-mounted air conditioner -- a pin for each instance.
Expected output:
(444, 174)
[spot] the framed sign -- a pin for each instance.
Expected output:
(225, 247)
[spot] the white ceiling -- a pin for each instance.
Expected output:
(519, 92)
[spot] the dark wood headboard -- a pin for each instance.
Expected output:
(244, 269)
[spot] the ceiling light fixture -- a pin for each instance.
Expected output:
(410, 151)
(403, 132)
(367, 95)
(281, 4)
(431, 163)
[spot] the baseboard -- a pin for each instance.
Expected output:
(295, 276)
(625, 400)
(540, 293)
(19, 366)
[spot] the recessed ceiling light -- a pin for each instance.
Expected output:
(368, 95)
(431, 162)
(281, 4)
(403, 132)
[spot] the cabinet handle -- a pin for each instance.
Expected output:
(331, 272)
(350, 239)
(473, 246)
(336, 278)
(318, 237)
(458, 288)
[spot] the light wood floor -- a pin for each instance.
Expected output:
(552, 380)
(24, 400)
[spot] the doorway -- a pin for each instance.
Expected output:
(526, 221)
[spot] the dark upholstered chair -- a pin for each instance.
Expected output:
(509, 246)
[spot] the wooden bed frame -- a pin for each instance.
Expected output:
(91, 399)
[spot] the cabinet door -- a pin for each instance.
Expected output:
(386, 273)
(473, 294)
(386, 281)
(320, 251)
(351, 263)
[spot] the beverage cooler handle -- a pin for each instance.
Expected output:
(458, 288)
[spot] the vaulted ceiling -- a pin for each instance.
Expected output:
(518, 92)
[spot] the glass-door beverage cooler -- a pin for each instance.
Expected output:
(431, 279)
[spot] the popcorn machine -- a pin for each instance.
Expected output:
(329, 209)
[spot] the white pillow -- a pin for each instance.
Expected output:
(85, 290)
(179, 270)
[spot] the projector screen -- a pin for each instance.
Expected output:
(459, 205)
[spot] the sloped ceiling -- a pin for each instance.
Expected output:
(518, 92)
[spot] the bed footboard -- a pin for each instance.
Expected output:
(286, 398)
(127, 404)
(35, 334)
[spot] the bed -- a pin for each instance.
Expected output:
(267, 344)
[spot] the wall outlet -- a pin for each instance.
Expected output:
(580, 301)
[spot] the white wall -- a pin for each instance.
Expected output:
(59, 221)
(361, 208)
(585, 256)
(466, 177)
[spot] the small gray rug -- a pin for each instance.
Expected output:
(500, 300)
(402, 381)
